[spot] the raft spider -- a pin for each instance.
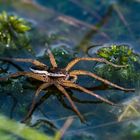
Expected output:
(61, 78)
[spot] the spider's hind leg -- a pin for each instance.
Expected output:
(82, 72)
(69, 84)
(71, 102)
(62, 101)
(43, 86)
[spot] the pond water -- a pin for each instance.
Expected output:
(69, 28)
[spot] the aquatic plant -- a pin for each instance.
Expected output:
(119, 54)
(10, 129)
(13, 31)
(122, 55)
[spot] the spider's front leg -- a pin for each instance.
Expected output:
(28, 74)
(14, 75)
(75, 61)
(32, 61)
(82, 72)
(52, 59)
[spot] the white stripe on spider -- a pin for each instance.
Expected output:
(48, 73)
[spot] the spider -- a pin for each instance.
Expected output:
(61, 78)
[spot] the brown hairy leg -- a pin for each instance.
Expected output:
(52, 59)
(82, 72)
(73, 62)
(32, 61)
(71, 102)
(72, 85)
(28, 74)
(75, 99)
(62, 101)
(41, 87)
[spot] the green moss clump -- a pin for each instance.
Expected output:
(13, 31)
(121, 55)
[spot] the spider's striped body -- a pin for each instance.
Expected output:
(51, 73)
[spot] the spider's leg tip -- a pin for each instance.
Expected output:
(83, 120)
(49, 51)
(133, 89)
(123, 66)
(128, 90)
(111, 103)
(3, 79)
(118, 105)
(126, 65)
(23, 121)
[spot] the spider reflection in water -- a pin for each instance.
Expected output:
(61, 78)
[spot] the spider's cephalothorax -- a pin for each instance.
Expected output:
(61, 78)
